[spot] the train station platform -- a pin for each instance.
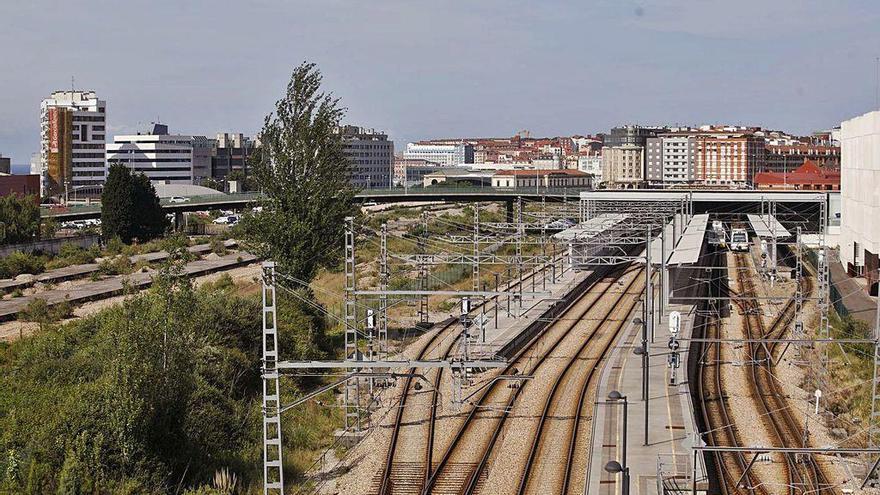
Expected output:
(508, 322)
(667, 459)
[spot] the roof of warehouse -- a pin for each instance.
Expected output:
(767, 226)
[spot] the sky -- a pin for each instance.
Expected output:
(422, 69)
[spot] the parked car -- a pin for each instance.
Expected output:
(178, 199)
(226, 220)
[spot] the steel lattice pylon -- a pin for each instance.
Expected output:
(273, 473)
(352, 386)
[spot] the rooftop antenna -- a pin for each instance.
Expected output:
(877, 85)
(72, 85)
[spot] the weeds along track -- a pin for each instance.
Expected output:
(471, 448)
(409, 457)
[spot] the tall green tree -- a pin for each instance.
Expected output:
(130, 208)
(19, 219)
(301, 168)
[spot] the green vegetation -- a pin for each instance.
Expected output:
(304, 173)
(160, 394)
(18, 263)
(130, 208)
(850, 373)
(19, 219)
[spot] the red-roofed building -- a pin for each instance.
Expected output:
(554, 178)
(808, 177)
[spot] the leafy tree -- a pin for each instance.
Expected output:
(130, 208)
(305, 175)
(19, 219)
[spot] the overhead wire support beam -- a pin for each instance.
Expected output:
(461, 293)
(356, 365)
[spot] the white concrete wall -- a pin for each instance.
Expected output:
(860, 186)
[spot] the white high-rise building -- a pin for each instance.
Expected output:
(164, 158)
(72, 130)
(444, 154)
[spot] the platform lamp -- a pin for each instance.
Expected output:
(642, 351)
(615, 467)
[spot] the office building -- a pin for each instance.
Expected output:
(72, 130)
(669, 159)
(5, 165)
(728, 159)
(860, 203)
(410, 172)
(164, 158)
(446, 154)
(622, 166)
(231, 152)
(370, 154)
(632, 135)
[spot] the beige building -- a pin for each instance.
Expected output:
(552, 178)
(623, 166)
(860, 202)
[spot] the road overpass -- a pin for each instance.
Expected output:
(703, 199)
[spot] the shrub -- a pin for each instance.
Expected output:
(18, 263)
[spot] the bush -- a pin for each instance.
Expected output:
(218, 247)
(18, 263)
(117, 265)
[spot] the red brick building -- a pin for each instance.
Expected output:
(808, 177)
(22, 185)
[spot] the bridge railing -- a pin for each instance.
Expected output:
(363, 194)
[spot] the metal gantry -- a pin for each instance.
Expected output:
(273, 472)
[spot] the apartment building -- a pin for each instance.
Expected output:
(72, 135)
(446, 154)
(787, 157)
(670, 159)
(728, 159)
(591, 164)
(164, 158)
(371, 155)
(622, 166)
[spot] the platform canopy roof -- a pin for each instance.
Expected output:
(703, 195)
(687, 251)
(768, 226)
(591, 228)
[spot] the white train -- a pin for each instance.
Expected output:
(739, 240)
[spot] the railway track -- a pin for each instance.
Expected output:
(405, 473)
(560, 421)
(484, 423)
(716, 416)
(803, 473)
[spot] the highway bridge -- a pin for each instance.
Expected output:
(703, 199)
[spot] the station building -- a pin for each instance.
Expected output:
(860, 203)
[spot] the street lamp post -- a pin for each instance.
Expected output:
(642, 351)
(614, 467)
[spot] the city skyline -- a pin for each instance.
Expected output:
(491, 69)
